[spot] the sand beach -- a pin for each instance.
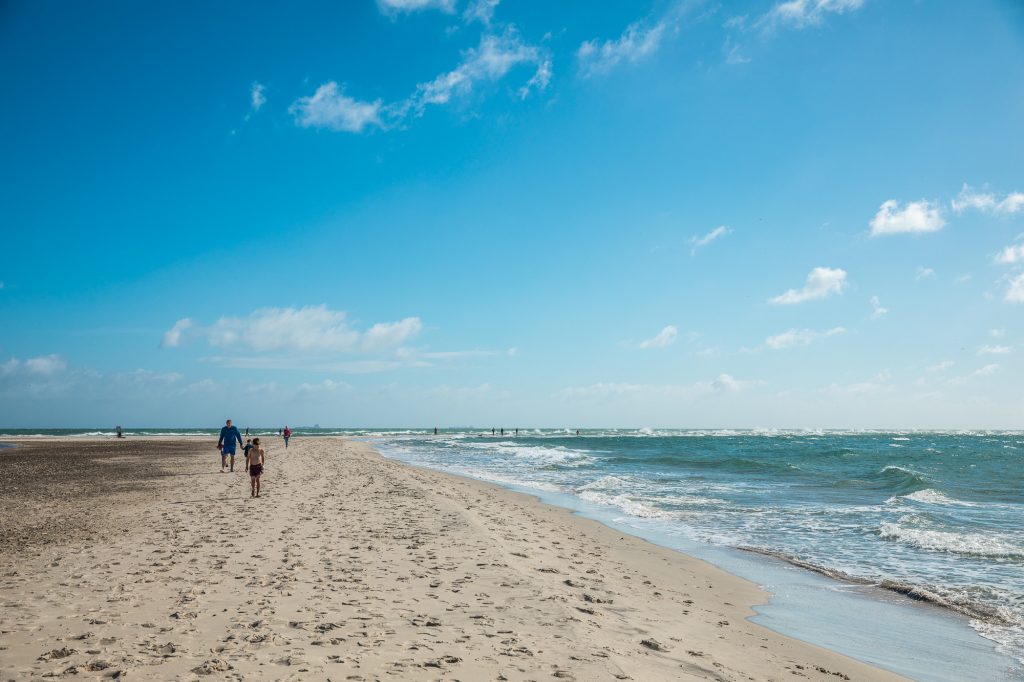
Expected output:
(138, 559)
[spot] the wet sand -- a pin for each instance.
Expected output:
(350, 567)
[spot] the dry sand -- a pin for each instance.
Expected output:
(350, 567)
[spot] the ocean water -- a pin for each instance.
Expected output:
(868, 519)
(938, 517)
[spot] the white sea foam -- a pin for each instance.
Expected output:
(627, 504)
(932, 496)
(506, 480)
(552, 455)
(604, 483)
(970, 544)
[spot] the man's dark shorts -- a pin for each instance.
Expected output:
(255, 470)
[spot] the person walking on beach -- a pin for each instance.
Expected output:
(245, 452)
(287, 435)
(229, 435)
(254, 461)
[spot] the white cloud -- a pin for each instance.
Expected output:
(491, 60)
(940, 367)
(46, 364)
(993, 350)
(311, 329)
(329, 107)
(397, 6)
(800, 14)
(1015, 292)
(963, 279)
(172, 337)
(723, 383)
(10, 367)
(997, 333)
(635, 43)
(799, 337)
(666, 337)
(733, 53)
(390, 334)
(821, 283)
(495, 56)
(987, 202)
(711, 236)
(258, 96)
(539, 81)
(880, 383)
(917, 217)
(877, 311)
(924, 273)
(480, 10)
(1014, 253)
(987, 370)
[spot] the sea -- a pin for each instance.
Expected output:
(904, 549)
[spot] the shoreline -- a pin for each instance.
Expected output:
(584, 600)
(949, 624)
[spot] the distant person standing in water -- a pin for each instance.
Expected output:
(255, 460)
(287, 434)
(229, 435)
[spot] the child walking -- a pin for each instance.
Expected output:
(255, 459)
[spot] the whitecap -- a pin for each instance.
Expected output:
(968, 544)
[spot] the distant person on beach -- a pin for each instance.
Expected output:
(229, 435)
(254, 460)
(245, 453)
(120, 433)
(287, 434)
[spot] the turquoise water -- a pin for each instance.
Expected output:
(852, 521)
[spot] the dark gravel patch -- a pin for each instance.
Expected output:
(52, 492)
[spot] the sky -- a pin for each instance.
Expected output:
(685, 213)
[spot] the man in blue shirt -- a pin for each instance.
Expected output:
(229, 435)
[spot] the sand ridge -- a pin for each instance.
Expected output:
(355, 567)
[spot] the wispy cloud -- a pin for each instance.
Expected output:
(987, 202)
(491, 60)
(392, 7)
(1015, 290)
(311, 329)
(638, 41)
(599, 392)
(986, 371)
(480, 10)
(329, 107)
(993, 350)
(257, 96)
(172, 337)
(821, 283)
(1012, 254)
(711, 236)
(795, 338)
(877, 311)
(917, 217)
(666, 337)
(940, 367)
(924, 273)
(800, 14)
(43, 365)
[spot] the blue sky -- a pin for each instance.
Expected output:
(413, 212)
